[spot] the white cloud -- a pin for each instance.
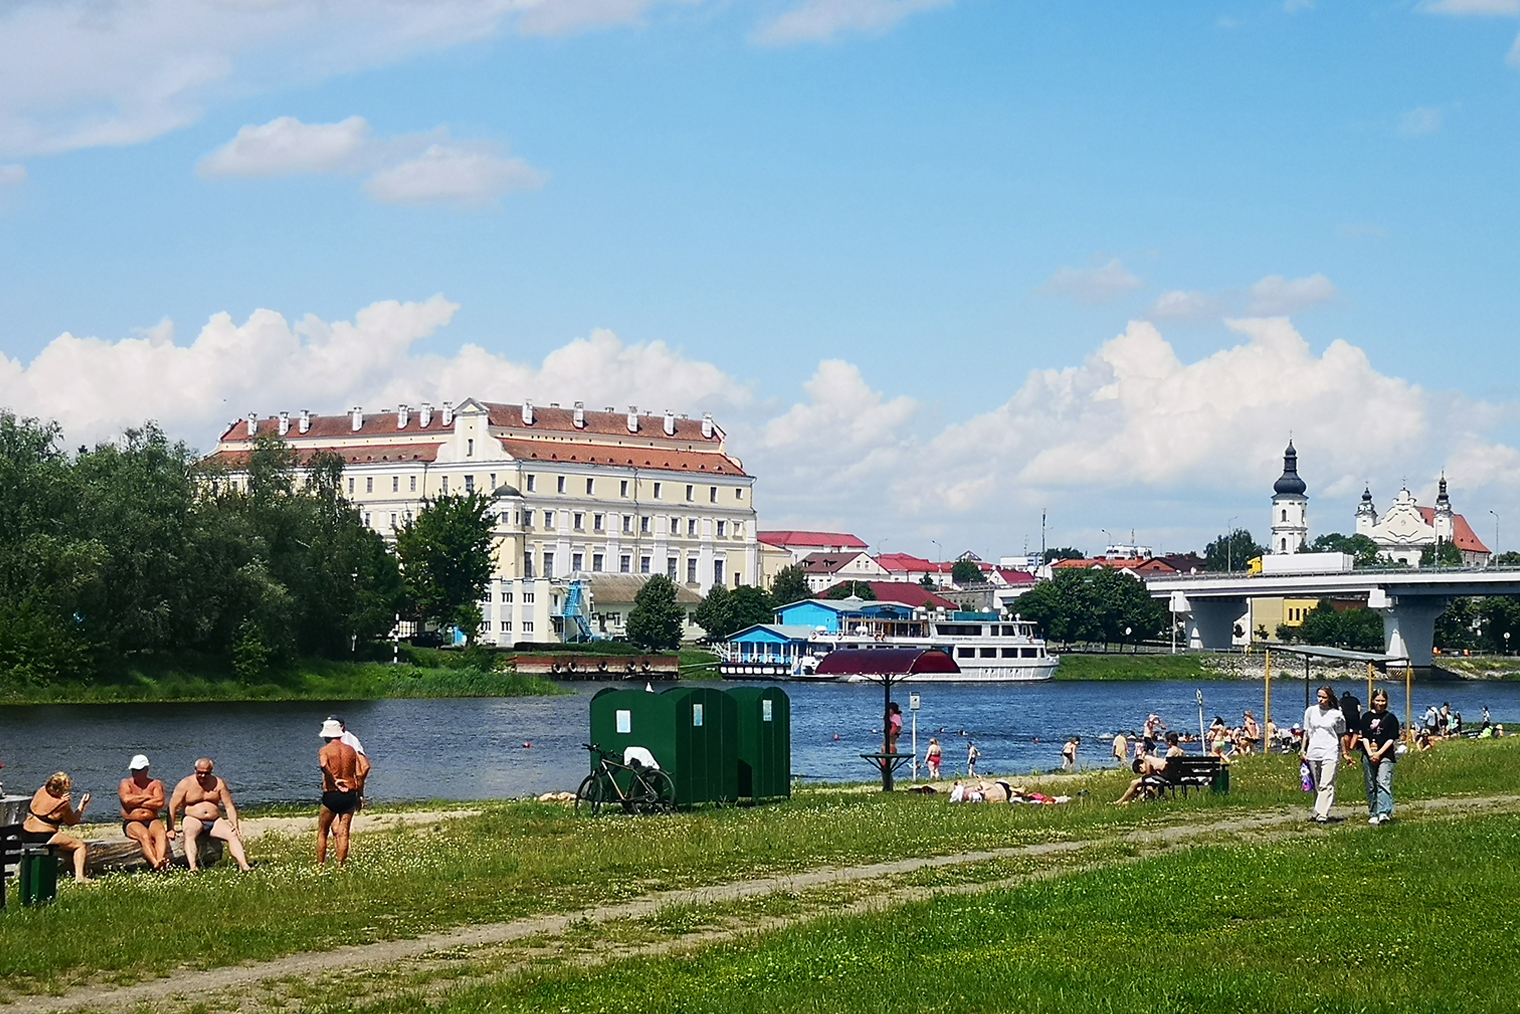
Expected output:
(825, 20)
(1275, 294)
(1180, 305)
(456, 173)
(411, 169)
(1419, 121)
(12, 175)
(1093, 285)
(288, 147)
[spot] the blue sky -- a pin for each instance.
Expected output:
(943, 196)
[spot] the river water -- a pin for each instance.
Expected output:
(492, 748)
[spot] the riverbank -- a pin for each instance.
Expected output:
(515, 861)
(1117, 666)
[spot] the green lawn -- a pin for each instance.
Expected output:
(1117, 666)
(519, 859)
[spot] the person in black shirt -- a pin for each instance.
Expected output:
(1352, 709)
(1379, 739)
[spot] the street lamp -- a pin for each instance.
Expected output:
(1506, 642)
(1496, 532)
(1106, 539)
(938, 552)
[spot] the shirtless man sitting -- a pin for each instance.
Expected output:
(203, 796)
(142, 802)
(1150, 764)
(343, 772)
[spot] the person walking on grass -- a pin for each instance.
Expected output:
(341, 777)
(932, 757)
(1379, 737)
(1324, 730)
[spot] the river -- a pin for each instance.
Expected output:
(492, 748)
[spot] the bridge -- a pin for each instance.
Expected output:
(1410, 600)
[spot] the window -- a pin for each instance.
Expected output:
(625, 563)
(527, 569)
(469, 484)
(691, 526)
(350, 485)
(691, 570)
(598, 560)
(717, 572)
(528, 601)
(485, 626)
(644, 525)
(965, 653)
(506, 626)
(712, 494)
(738, 493)
(408, 517)
(527, 519)
(989, 653)
(393, 520)
(532, 483)
(657, 487)
(623, 488)
(413, 479)
(506, 596)
(493, 482)
(722, 529)
(1010, 653)
(628, 524)
(691, 493)
(671, 563)
(445, 484)
(548, 521)
(559, 484)
(395, 484)
(596, 522)
(369, 487)
(366, 519)
(580, 521)
(527, 626)
(548, 564)
(738, 529)
(673, 526)
(1285, 515)
(644, 562)
(469, 448)
(590, 486)
(577, 562)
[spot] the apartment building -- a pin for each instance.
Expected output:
(576, 493)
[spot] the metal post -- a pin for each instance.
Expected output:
(1369, 684)
(1266, 707)
(915, 744)
(1408, 695)
(1201, 740)
(1307, 702)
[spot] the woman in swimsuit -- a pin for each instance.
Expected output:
(49, 813)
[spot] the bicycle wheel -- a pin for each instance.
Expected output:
(591, 795)
(665, 792)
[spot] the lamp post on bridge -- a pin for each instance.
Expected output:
(1496, 532)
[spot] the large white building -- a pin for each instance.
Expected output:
(1290, 507)
(576, 493)
(1407, 529)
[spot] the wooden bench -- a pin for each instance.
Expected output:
(1186, 772)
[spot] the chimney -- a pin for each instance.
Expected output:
(253, 423)
(305, 423)
(527, 412)
(358, 418)
(426, 415)
(633, 419)
(580, 415)
(448, 413)
(609, 410)
(670, 423)
(403, 415)
(707, 426)
(284, 423)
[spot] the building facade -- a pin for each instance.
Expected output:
(1290, 507)
(1407, 529)
(576, 493)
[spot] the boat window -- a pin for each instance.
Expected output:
(989, 653)
(1029, 652)
(965, 652)
(1010, 653)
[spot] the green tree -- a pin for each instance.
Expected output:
(1363, 549)
(654, 623)
(446, 560)
(1507, 559)
(848, 589)
(790, 586)
(1064, 553)
(1443, 554)
(1357, 629)
(1460, 626)
(966, 572)
(1500, 615)
(1095, 604)
(724, 612)
(1232, 551)
(927, 582)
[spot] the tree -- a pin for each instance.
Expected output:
(1460, 626)
(1500, 615)
(927, 582)
(1094, 605)
(1232, 551)
(724, 612)
(966, 572)
(1358, 629)
(790, 586)
(654, 623)
(849, 589)
(1508, 559)
(1064, 553)
(446, 559)
(1363, 549)
(1443, 554)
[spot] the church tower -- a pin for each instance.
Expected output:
(1290, 507)
(1442, 521)
(1366, 514)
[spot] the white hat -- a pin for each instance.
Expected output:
(139, 763)
(332, 729)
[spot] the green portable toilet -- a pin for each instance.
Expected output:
(645, 721)
(765, 741)
(706, 769)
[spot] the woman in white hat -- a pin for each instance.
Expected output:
(142, 803)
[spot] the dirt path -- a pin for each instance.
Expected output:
(201, 985)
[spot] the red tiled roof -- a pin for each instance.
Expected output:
(826, 563)
(340, 427)
(1015, 576)
(905, 563)
(664, 458)
(609, 424)
(1136, 564)
(787, 539)
(364, 455)
(1462, 535)
(909, 594)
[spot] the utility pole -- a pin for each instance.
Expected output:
(1042, 533)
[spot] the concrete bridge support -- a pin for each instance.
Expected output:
(1210, 622)
(1409, 624)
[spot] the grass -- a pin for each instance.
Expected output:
(519, 859)
(197, 679)
(1353, 922)
(1136, 667)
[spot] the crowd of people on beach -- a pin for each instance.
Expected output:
(200, 805)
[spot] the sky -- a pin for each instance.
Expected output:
(938, 267)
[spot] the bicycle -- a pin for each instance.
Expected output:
(649, 790)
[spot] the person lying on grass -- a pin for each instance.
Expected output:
(1149, 765)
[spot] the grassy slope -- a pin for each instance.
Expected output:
(524, 858)
(1135, 667)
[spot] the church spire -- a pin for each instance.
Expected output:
(1290, 484)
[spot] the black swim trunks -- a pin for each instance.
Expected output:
(341, 803)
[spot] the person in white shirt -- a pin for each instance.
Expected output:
(1324, 733)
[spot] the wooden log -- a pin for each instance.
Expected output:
(123, 855)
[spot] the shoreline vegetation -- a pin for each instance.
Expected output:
(1122, 666)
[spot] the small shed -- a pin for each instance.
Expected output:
(705, 726)
(886, 663)
(765, 741)
(636, 720)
